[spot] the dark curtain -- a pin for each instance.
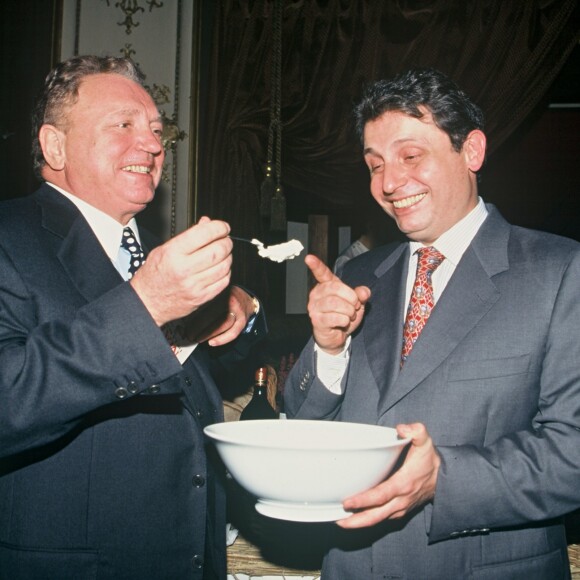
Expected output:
(504, 54)
(28, 32)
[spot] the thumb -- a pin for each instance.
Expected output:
(415, 431)
(363, 293)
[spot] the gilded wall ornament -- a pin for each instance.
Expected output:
(127, 51)
(130, 8)
(160, 93)
(171, 132)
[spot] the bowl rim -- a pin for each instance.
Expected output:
(209, 430)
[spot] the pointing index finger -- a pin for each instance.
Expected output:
(320, 271)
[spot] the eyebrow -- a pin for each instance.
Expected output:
(135, 112)
(403, 141)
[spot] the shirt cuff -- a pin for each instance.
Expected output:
(330, 368)
(252, 319)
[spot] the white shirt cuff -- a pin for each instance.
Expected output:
(330, 368)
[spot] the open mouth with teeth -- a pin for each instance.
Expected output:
(408, 201)
(137, 169)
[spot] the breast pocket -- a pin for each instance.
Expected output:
(489, 369)
(484, 393)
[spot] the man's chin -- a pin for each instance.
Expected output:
(416, 233)
(139, 203)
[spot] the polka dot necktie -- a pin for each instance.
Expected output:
(129, 242)
(421, 302)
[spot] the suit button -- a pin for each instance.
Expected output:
(121, 393)
(304, 381)
(199, 414)
(188, 381)
(198, 481)
(154, 389)
(197, 562)
(132, 386)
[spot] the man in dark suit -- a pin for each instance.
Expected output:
(103, 464)
(488, 390)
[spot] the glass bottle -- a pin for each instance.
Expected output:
(259, 407)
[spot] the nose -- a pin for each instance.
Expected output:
(394, 176)
(151, 142)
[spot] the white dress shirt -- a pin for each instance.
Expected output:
(452, 244)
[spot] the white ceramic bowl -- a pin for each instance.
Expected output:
(303, 470)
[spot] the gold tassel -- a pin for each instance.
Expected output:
(278, 210)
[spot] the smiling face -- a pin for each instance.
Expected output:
(108, 151)
(416, 175)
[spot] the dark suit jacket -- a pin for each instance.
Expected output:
(103, 465)
(495, 377)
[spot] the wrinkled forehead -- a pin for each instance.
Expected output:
(101, 94)
(108, 86)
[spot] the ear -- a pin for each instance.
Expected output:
(52, 141)
(474, 149)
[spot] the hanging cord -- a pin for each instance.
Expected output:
(173, 221)
(278, 205)
(268, 185)
(273, 202)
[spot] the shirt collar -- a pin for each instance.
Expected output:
(453, 243)
(107, 229)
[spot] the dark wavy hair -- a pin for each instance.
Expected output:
(61, 90)
(452, 110)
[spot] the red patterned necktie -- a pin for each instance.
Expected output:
(421, 302)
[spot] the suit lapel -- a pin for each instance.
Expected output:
(85, 261)
(80, 253)
(383, 326)
(469, 295)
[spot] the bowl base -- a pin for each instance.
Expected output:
(301, 512)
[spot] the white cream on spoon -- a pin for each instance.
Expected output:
(279, 252)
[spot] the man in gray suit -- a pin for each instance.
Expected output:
(103, 465)
(488, 391)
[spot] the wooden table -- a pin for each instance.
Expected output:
(245, 558)
(574, 555)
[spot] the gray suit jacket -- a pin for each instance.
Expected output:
(495, 377)
(103, 465)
